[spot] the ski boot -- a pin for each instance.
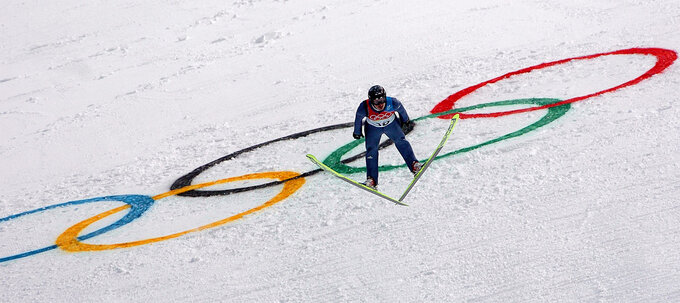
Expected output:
(415, 167)
(370, 183)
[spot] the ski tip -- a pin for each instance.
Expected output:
(456, 116)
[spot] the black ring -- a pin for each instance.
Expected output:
(187, 179)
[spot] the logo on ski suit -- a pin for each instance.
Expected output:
(383, 118)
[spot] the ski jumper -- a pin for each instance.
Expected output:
(388, 122)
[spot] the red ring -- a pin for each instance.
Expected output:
(665, 58)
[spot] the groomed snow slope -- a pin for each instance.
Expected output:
(102, 98)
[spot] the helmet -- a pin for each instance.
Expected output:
(376, 92)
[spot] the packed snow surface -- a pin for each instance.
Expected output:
(112, 98)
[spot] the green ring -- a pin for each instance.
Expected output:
(554, 113)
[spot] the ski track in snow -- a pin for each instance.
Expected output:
(111, 98)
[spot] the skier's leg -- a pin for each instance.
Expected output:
(373, 135)
(394, 132)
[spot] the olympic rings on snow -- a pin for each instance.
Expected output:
(292, 181)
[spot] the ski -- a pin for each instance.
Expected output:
(452, 124)
(350, 181)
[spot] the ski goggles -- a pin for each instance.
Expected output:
(377, 100)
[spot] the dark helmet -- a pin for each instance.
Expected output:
(376, 92)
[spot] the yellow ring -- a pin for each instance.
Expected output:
(68, 240)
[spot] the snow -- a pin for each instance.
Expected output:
(103, 98)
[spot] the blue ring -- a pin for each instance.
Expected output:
(138, 205)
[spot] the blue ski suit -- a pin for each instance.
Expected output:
(387, 121)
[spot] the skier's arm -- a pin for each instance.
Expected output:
(404, 120)
(403, 116)
(359, 121)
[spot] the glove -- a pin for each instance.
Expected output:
(407, 126)
(357, 136)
